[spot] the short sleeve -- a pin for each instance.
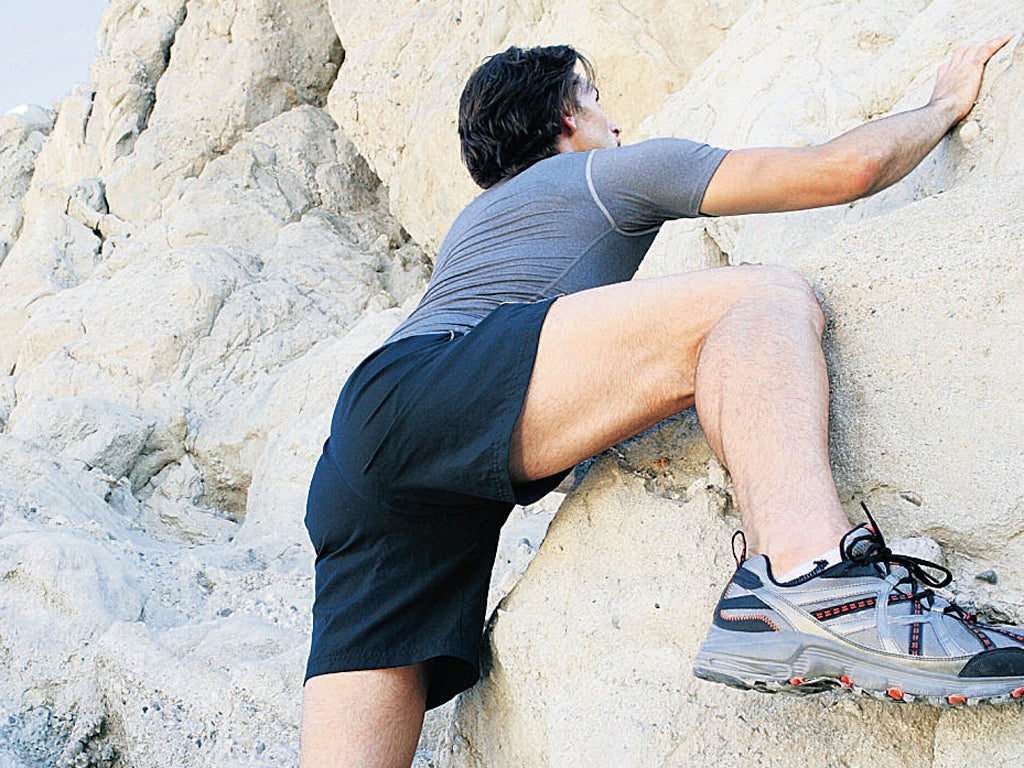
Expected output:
(641, 186)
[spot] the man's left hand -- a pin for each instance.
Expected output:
(959, 79)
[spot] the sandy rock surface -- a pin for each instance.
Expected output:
(195, 250)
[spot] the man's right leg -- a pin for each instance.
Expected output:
(365, 719)
(743, 344)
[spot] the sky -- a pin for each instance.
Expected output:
(46, 46)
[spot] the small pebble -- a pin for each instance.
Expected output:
(988, 576)
(970, 132)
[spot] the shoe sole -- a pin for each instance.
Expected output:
(799, 663)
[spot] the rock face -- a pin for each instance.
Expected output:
(202, 257)
(196, 249)
(22, 133)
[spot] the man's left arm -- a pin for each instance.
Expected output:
(858, 163)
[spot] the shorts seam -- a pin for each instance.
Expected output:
(355, 661)
(387, 655)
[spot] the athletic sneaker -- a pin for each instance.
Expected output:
(871, 623)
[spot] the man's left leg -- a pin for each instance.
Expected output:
(363, 719)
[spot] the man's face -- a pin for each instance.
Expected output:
(589, 127)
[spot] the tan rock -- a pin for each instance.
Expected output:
(96, 432)
(70, 570)
(231, 68)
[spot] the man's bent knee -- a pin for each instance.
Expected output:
(781, 284)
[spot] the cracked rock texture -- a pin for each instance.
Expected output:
(195, 250)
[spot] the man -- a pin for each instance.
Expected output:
(532, 351)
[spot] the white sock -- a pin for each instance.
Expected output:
(830, 556)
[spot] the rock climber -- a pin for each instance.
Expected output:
(532, 350)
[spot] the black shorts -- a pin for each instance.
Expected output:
(409, 495)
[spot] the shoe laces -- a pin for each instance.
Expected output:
(739, 538)
(871, 549)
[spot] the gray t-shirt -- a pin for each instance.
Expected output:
(570, 222)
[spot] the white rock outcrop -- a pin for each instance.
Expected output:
(200, 258)
(22, 133)
(195, 250)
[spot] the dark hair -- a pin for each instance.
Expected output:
(510, 113)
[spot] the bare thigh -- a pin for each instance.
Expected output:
(615, 360)
(363, 719)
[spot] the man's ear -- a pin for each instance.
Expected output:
(568, 123)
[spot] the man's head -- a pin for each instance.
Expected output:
(521, 106)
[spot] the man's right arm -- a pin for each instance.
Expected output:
(858, 163)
